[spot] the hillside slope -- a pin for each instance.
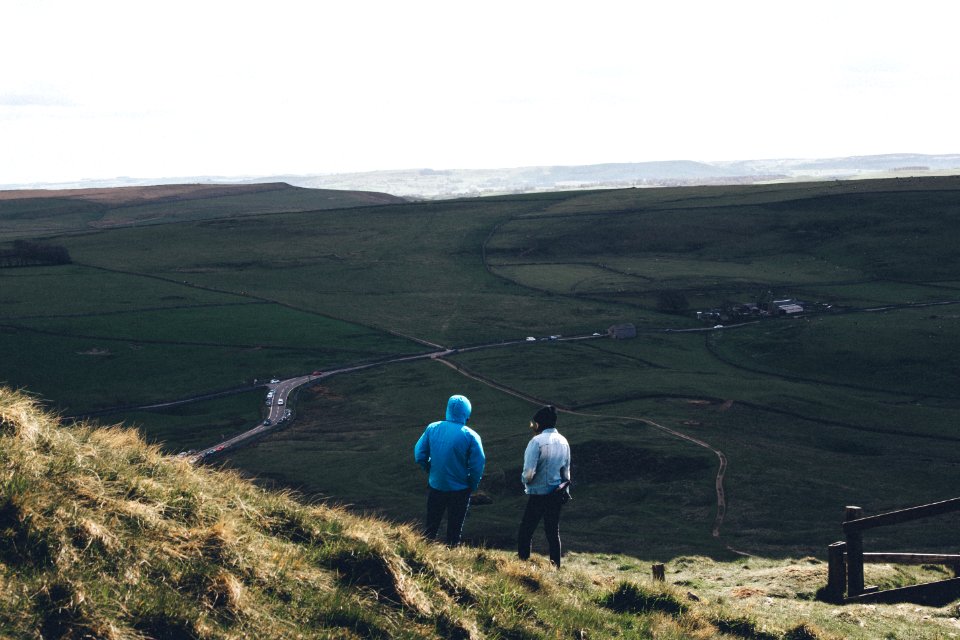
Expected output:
(103, 537)
(38, 212)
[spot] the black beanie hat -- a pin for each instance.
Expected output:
(546, 417)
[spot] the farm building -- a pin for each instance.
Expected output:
(786, 307)
(789, 309)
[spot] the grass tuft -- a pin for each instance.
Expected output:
(630, 597)
(64, 611)
(743, 627)
(225, 593)
(804, 631)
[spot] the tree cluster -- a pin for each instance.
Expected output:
(29, 254)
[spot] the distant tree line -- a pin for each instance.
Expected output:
(30, 254)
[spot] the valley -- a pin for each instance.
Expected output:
(202, 297)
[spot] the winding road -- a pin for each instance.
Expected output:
(281, 390)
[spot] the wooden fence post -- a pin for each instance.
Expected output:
(659, 572)
(854, 554)
(855, 523)
(837, 576)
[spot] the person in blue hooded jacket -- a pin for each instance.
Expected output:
(452, 454)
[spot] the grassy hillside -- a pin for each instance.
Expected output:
(101, 536)
(32, 213)
(855, 403)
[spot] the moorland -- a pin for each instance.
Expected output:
(854, 401)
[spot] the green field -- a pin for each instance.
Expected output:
(856, 403)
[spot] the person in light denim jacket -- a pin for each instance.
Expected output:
(452, 455)
(546, 466)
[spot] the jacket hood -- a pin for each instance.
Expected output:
(458, 409)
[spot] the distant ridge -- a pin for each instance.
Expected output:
(143, 194)
(170, 192)
(428, 183)
(110, 207)
(450, 183)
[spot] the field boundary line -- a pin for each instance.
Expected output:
(721, 471)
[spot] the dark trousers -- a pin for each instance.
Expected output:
(548, 508)
(455, 504)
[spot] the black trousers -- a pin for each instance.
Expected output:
(455, 504)
(541, 507)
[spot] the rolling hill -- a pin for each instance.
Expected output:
(36, 212)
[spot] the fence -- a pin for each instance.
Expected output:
(846, 559)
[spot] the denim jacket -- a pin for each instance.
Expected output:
(546, 463)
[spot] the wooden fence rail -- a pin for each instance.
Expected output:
(845, 582)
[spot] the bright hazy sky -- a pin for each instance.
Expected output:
(148, 89)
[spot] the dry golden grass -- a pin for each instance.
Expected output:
(101, 536)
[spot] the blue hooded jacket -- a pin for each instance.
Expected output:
(450, 451)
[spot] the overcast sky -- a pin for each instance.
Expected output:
(148, 89)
